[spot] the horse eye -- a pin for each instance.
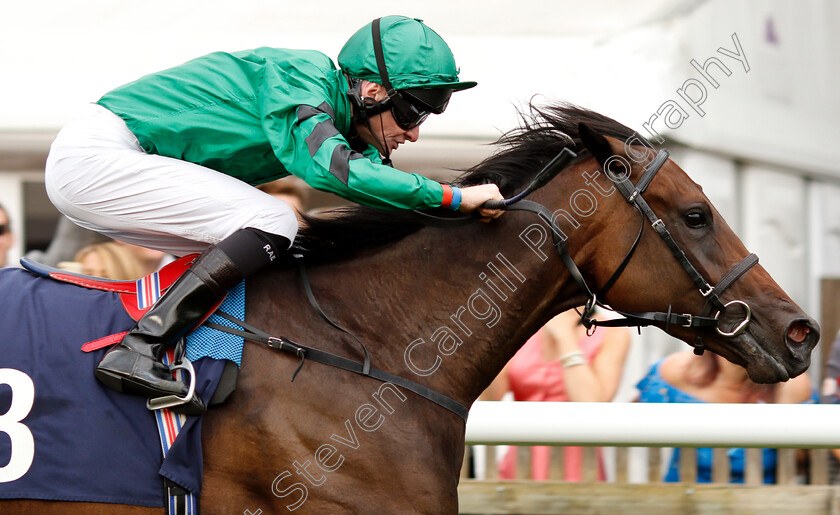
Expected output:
(696, 219)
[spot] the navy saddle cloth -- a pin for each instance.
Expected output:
(62, 435)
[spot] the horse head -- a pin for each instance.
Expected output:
(749, 320)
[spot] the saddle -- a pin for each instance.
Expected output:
(136, 301)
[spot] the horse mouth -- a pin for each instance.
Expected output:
(762, 366)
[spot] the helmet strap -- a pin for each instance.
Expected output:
(394, 95)
(386, 159)
(367, 107)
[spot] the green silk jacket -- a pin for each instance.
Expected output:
(261, 114)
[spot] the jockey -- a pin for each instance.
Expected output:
(168, 162)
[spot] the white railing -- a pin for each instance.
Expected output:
(654, 425)
(632, 443)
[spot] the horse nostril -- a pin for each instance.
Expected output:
(802, 332)
(798, 332)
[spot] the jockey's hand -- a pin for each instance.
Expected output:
(473, 197)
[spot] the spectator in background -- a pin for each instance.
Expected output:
(68, 239)
(7, 239)
(128, 262)
(291, 189)
(561, 363)
(686, 377)
(830, 394)
(150, 260)
(110, 260)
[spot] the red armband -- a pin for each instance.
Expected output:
(447, 196)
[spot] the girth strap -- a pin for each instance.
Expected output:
(284, 344)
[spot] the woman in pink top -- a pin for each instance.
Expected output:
(561, 363)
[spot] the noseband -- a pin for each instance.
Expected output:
(709, 316)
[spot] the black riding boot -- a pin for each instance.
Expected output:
(134, 365)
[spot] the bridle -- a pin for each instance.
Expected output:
(709, 316)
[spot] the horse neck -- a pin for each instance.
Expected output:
(449, 307)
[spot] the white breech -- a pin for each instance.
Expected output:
(98, 176)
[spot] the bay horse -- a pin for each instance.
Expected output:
(447, 307)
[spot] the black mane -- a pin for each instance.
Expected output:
(521, 153)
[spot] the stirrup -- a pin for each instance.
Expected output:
(171, 401)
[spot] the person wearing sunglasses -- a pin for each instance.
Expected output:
(169, 162)
(6, 237)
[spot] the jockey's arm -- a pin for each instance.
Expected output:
(319, 154)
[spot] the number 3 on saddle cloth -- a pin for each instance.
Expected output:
(66, 437)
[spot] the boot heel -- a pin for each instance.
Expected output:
(110, 380)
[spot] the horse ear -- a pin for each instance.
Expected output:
(595, 143)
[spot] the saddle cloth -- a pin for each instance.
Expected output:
(63, 435)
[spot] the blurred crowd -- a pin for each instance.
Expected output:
(6, 237)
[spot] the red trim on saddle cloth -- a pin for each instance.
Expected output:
(167, 275)
(128, 289)
(129, 302)
(113, 339)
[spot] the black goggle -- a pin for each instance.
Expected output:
(409, 116)
(4, 228)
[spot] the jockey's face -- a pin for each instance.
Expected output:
(383, 132)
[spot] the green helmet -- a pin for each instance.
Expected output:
(415, 56)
